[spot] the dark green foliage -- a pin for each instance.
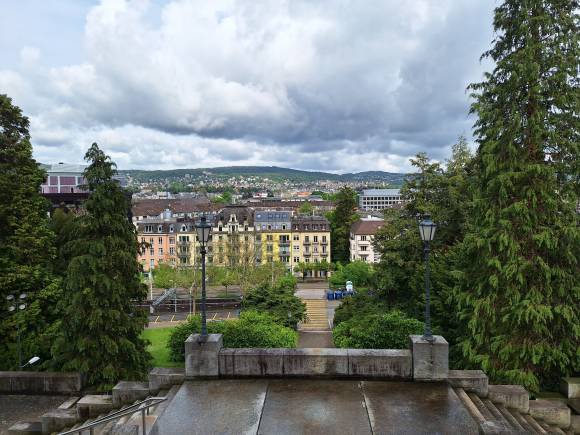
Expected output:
(252, 329)
(61, 225)
(520, 287)
(101, 327)
(359, 272)
(399, 276)
(362, 304)
(279, 302)
(341, 219)
(26, 241)
(376, 331)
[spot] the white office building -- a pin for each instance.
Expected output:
(379, 199)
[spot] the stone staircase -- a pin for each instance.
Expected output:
(77, 412)
(316, 315)
(507, 409)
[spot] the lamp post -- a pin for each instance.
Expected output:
(16, 304)
(203, 229)
(427, 230)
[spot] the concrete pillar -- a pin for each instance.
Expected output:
(202, 356)
(430, 359)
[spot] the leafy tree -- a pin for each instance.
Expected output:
(306, 208)
(25, 237)
(520, 288)
(361, 304)
(61, 225)
(359, 272)
(341, 218)
(303, 269)
(227, 280)
(101, 334)
(386, 331)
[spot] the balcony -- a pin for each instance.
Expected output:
(284, 243)
(306, 243)
(307, 254)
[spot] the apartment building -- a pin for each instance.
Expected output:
(362, 235)
(379, 199)
(165, 240)
(310, 240)
(232, 240)
(273, 235)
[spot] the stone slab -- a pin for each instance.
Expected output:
(416, 408)
(201, 356)
(512, 396)
(319, 362)
(570, 387)
(93, 405)
(58, 419)
(304, 406)
(251, 362)
(575, 405)
(552, 412)
(128, 392)
(221, 406)
(26, 428)
(69, 403)
(575, 423)
(163, 378)
(40, 382)
(430, 359)
(380, 363)
(472, 381)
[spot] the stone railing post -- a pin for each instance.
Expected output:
(202, 356)
(430, 359)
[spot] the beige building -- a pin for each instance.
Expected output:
(310, 240)
(362, 235)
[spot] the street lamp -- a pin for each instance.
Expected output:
(19, 304)
(203, 229)
(427, 230)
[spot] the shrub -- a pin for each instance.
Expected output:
(359, 305)
(387, 331)
(252, 329)
(279, 302)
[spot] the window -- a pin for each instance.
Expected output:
(315, 239)
(148, 228)
(296, 259)
(269, 248)
(363, 248)
(183, 228)
(296, 237)
(315, 249)
(172, 240)
(363, 238)
(283, 226)
(296, 248)
(172, 250)
(306, 239)
(151, 251)
(324, 249)
(151, 263)
(142, 239)
(151, 241)
(160, 240)
(160, 251)
(323, 239)
(159, 228)
(269, 238)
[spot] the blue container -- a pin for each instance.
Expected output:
(330, 296)
(337, 295)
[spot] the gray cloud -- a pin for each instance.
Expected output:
(343, 86)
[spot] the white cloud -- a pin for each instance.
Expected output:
(339, 86)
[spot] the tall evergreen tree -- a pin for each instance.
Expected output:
(25, 237)
(341, 219)
(520, 288)
(101, 334)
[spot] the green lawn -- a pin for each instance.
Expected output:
(158, 347)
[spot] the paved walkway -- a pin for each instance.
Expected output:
(315, 339)
(304, 406)
(17, 407)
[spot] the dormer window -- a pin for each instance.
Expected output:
(159, 228)
(171, 228)
(183, 228)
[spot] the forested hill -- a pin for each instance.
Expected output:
(271, 172)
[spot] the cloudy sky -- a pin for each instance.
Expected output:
(334, 85)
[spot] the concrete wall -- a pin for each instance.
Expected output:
(40, 382)
(391, 364)
(424, 361)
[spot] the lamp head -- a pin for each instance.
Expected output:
(427, 229)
